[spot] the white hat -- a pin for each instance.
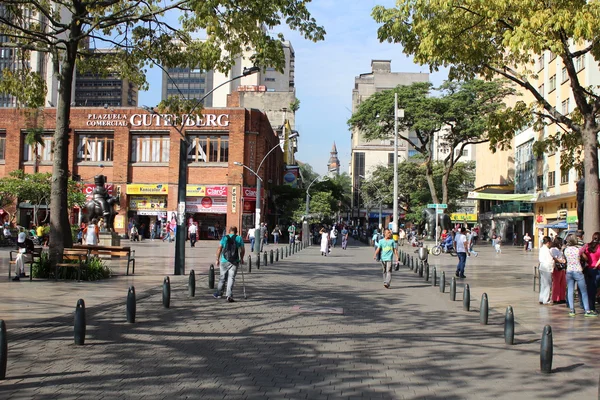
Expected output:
(22, 237)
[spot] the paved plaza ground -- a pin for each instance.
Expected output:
(312, 327)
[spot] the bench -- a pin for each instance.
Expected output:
(79, 255)
(123, 252)
(36, 255)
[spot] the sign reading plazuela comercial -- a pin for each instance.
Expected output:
(158, 120)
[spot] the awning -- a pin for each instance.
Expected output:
(528, 197)
(555, 225)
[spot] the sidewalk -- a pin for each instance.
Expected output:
(288, 339)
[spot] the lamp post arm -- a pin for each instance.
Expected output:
(251, 170)
(266, 155)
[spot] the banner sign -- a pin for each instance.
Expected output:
(147, 188)
(88, 189)
(156, 203)
(249, 193)
(206, 190)
(211, 205)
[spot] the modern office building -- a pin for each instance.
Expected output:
(188, 83)
(96, 90)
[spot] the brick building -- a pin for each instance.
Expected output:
(139, 154)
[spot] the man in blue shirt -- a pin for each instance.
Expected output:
(230, 255)
(386, 249)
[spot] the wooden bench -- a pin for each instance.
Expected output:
(75, 254)
(113, 252)
(36, 255)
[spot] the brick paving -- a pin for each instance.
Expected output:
(409, 341)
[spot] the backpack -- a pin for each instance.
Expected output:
(230, 253)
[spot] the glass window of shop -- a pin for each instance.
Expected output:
(95, 147)
(208, 148)
(44, 152)
(150, 148)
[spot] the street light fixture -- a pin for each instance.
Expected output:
(181, 186)
(257, 235)
(398, 113)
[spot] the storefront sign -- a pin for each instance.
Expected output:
(463, 217)
(206, 190)
(107, 119)
(211, 205)
(157, 120)
(149, 188)
(156, 203)
(234, 199)
(249, 193)
(572, 219)
(159, 214)
(88, 189)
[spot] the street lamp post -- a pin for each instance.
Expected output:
(182, 184)
(257, 235)
(397, 114)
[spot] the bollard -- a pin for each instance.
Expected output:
(131, 307)
(433, 277)
(546, 350)
(534, 277)
(249, 264)
(257, 262)
(467, 298)
(79, 325)
(415, 265)
(404, 259)
(265, 258)
(421, 266)
(271, 257)
(453, 289)
(484, 310)
(276, 255)
(192, 284)
(3, 350)
(443, 282)
(211, 277)
(509, 326)
(286, 252)
(166, 292)
(426, 272)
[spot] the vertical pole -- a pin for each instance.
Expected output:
(436, 225)
(181, 192)
(395, 211)
(380, 223)
(257, 233)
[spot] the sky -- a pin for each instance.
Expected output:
(325, 73)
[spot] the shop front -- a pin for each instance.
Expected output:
(207, 206)
(249, 208)
(147, 204)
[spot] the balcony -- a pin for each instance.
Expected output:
(513, 207)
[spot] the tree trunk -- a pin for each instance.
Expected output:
(591, 217)
(60, 229)
(445, 178)
(430, 182)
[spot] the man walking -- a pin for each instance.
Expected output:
(292, 233)
(192, 232)
(386, 248)
(462, 250)
(251, 236)
(263, 235)
(230, 255)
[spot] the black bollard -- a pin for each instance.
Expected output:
(286, 252)
(265, 258)
(433, 276)
(166, 292)
(192, 284)
(131, 307)
(415, 264)
(535, 269)
(421, 267)
(276, 255)
(546, 350)
(249, 264)
(443, 282)
(258, 262)
(271, 257)
(211, 277)
(484, 310)
(426, 272)
(79, 325)
(3, 350)
(404, 259)
(509, 326)
(467, 298)
(453, 289)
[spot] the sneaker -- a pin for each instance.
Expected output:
(572, 313)
(385, 285)
(463, 276)
(591, 313)
(23, 275)
(16, 278)
(217, 295)
(230, 299)
(457, 275)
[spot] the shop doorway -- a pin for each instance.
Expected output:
(211, 226)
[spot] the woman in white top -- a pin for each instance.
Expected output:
(91, 233)
(546, 267)
(324, 241)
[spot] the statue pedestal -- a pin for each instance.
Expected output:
(109, 239)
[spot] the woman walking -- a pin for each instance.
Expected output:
(324, 241)
(559, 275)
(591, 254)
(545, 268)
(575, 274)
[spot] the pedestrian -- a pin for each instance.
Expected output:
(344, 237)
(193, 233)
(168, 230)
(575, 274)
(276, 233)
(526, 241)
(494, 237)
(545, 269)
(559, 275)
(152, 230)
(386, 249)
(25, 250)
(263, 235)
(91, 233)
(515, 238)
(474, 236)
(292, 232)
(230, 255)
(498, 246)
(251, 237)
(324, 241)
(402, 236)
(133, 234)
(591, 254)
(333, 236)
(7, 234)
(462, 251)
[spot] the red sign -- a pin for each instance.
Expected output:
(249, 206)
(206, 202)
(88, 189)
(539, 219)
(249, 193)
(216, 191)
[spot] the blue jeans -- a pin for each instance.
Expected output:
(276, 238)
(462, 260)
(252, 240)
(572, 277)
(592, 279)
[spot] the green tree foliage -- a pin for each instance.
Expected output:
(505, 38)
(140, 35)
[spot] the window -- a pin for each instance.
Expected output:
(390, 159)
(540, 182)
(2, 147)
(44, 152)
(579, 63)
(564, 177)
(565, 107)
(465, 153)
(565, 75)
(552, 83)
(150, 148)
(552, 56)
(95, 148)
(541, 62)
(359, 165)
(541, 89)
(551, 178)
(208, 148)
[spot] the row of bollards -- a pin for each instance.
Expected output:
(422, 268)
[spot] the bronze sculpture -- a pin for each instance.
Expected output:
(102, 204)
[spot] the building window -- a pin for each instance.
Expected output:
(565, 107)
(565, 75)
(359, 165)
(579, 63)
(541, 90)
(465, 153)
(551, 178)
(552, 83)
(95, 148)
(44, 152)
(208, 148)
(2, 147)
(541, 62)
(552, 56)
(540, 182)
(390, 159)
(564, 177)
(269, 79)
(150, 148)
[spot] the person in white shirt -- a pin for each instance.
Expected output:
(192, 233)
(462, 250)
(333, 236)
(526, 240)
(402, 237)
(545, 268)
(251, 237)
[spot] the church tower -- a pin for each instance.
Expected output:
(333, 166)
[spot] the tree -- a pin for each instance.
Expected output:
(463, 114)
(139, 35)
(34, 139)
(500, 38)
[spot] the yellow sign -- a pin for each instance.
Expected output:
(462, 217)
(147, 188)
(195, 190)
(233, 199)
(157, 203)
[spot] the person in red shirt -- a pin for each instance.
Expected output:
(590, 252)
